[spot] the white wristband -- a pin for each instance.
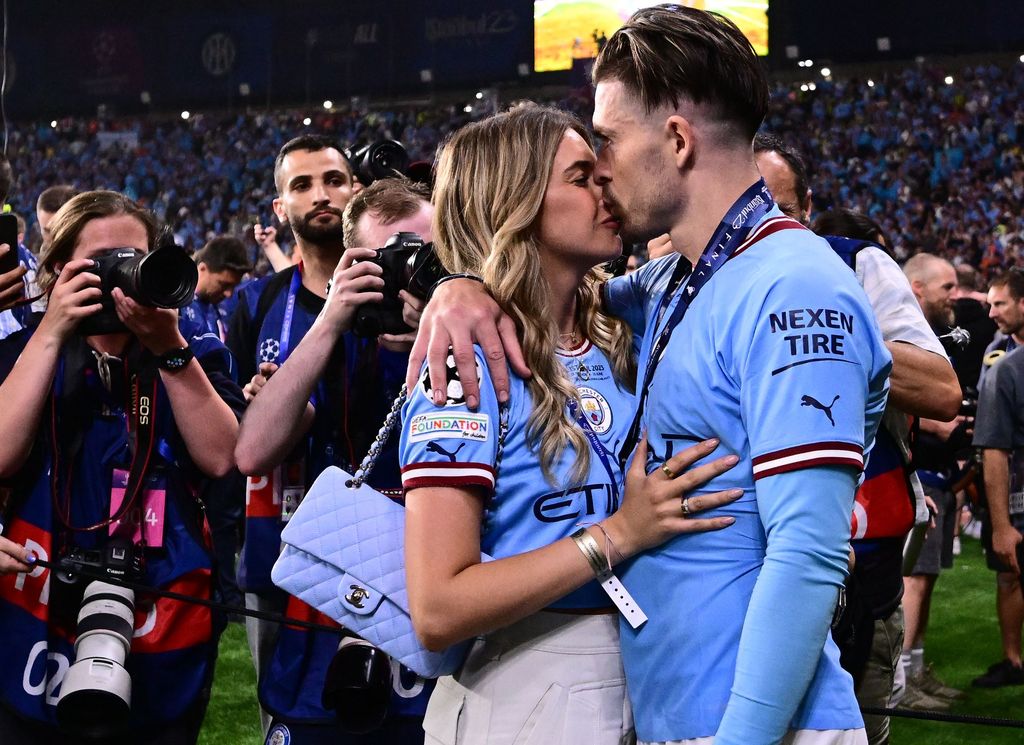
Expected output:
(615, 590)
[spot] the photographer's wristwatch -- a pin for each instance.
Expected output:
(175, 359)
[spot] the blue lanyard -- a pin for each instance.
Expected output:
(598, 447)
(732, 231)
(320, 393)
(289, 312)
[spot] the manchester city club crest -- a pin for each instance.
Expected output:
(269, 350)
(596, 409)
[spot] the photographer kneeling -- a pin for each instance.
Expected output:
(112, 415)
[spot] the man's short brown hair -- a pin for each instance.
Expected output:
(389, 199)
(224, 253)
(1013, 281)
(54, 197)
(671, 53)
(307, 143)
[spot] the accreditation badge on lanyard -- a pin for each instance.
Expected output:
(144, 523)
(278, 493)
(686, 283)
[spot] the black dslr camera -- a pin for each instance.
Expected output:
(384, 159)
(166, 277)
(119, 560)
(408, 264)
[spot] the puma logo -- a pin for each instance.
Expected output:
(433, 447)
(811, 401)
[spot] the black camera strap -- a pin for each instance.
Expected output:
(74, 569)
(67, 433)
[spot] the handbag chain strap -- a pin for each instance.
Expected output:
(363, 472)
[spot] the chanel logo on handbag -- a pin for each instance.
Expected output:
(357, 596)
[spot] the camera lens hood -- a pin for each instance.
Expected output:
(358, 686)
(95, 696)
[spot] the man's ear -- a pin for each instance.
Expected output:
(282, 216)
(681, 133)
(807, 206)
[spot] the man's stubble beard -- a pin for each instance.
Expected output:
(328, 236)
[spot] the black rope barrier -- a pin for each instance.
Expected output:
(932, 716)
(73, 568)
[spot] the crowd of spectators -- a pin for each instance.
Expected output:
(937, 164)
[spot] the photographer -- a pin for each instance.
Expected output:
(133, 415)
(318, 396)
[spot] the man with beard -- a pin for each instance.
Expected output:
(314, 183)
(934, 284)
(334, 391)
(767, 343)
(999, 435)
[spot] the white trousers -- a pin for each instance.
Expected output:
(551, 679)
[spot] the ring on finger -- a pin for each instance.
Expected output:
(668, 471)
(685, 506)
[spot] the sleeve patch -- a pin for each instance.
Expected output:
(417, 475)
(461, 426)
(453, 391)
(808, 456)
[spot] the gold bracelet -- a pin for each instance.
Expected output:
(592, 552)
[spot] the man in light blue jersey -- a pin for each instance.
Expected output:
(768, 343)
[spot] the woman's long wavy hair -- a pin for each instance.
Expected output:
(71, 219)
(489, 189)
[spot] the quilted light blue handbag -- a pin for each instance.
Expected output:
(344, 554)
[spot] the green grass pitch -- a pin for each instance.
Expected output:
(963, 640)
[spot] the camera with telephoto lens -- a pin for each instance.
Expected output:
(166, 277)
(408, 264)
(96, 694)
(384, 159)
(357, 687)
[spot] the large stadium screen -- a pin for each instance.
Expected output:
(565, 29)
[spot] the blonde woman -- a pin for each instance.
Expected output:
(543, 494)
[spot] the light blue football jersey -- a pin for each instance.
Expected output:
(779, 356)
(453, 446)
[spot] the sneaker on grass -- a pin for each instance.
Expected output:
(917, 700)
(1000, 674)
(930, 684)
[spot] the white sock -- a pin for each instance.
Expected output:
(916, 661)
(905, 662)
